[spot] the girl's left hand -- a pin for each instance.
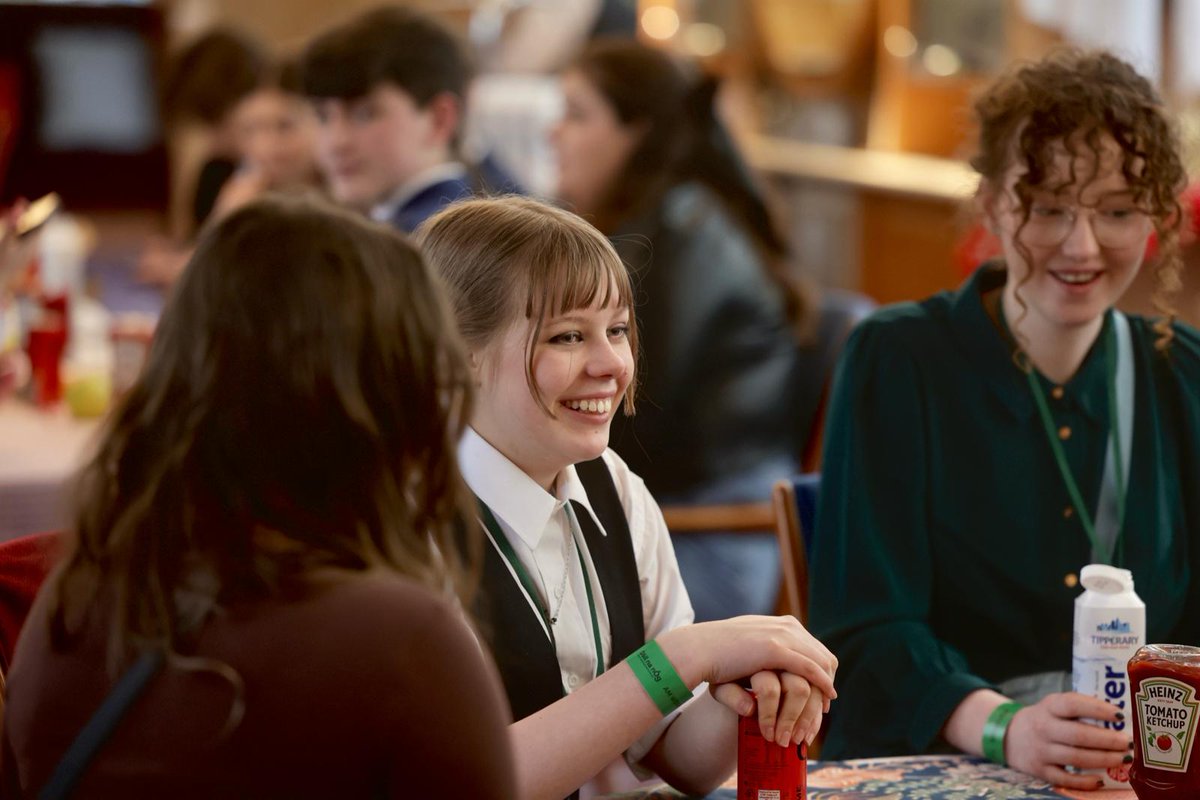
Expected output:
(789, 708)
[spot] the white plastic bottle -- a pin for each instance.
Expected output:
(1110, 626)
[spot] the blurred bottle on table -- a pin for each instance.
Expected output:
(131, 334)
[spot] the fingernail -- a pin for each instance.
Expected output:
(745, 708)
(1120, 716)
(769, 733)
(1128, 759)
(783, 742)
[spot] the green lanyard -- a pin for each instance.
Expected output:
(510, 555)
(1114, 438)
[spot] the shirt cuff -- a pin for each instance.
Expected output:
(638, 750)
(937, 706)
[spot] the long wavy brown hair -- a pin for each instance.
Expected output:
(299, 409)
(683, 140)
(1079, 101)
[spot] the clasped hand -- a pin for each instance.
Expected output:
(790, 671)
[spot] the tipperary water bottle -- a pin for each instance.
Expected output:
(1110, 626)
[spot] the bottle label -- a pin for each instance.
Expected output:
(1167, 715)
(767, 771)
(1106, 637)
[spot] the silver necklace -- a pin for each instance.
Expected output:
(560, 593)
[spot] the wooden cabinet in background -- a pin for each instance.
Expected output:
(902, 214)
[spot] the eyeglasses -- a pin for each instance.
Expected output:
(1050, 224)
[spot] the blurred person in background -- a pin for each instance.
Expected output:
(536, 37)
(204, 85)
(270, 537)
(643, 156)
(270, 133)
(388, 89)
(17, 253)
(275, 130)
(16, 250)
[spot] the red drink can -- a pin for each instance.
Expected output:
(767, 771)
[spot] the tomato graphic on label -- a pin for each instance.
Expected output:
(1164, 742)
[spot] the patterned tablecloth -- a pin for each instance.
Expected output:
(914, 778)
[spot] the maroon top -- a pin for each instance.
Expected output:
(24, 563)
(368, 686)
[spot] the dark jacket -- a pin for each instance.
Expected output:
(717, 352)
(482, 179)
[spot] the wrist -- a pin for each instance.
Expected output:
(678, 645)
(658, 677)
(995, 730)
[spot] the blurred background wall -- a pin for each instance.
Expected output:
(854, 112)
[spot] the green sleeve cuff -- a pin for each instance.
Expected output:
(937, 706)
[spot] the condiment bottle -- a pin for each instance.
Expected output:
(1165, 681)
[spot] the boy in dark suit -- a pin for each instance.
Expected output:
(389, 91)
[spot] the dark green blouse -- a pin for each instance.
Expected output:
(946, 552)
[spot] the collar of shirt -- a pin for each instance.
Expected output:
(991, 348)
(383, 212)
(516, 499)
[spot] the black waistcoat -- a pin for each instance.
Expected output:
(523, 653)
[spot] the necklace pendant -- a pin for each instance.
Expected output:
(554, 620)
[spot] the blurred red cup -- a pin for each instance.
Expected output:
(45, 349)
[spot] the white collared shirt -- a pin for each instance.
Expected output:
(383, 212)
(536, 523)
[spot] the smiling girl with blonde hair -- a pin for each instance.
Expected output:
(588, 618)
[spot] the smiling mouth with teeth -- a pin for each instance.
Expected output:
(1076, 278)
(593, 406)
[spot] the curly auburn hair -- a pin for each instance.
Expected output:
(1080, 101)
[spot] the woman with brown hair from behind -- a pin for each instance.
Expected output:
(271, 514)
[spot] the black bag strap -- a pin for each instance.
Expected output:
(100, 727)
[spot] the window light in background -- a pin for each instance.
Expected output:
(940, 60)
(899, 41)
(703, 39)
(660, 21)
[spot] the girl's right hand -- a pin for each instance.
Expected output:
(728, 650)
(789, 710)
(1044, 737)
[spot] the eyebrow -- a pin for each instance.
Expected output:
(1065, 194)
(577, 318)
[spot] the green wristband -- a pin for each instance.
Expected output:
(994, 730)
(658, 677)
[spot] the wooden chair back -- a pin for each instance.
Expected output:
(794, 516)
